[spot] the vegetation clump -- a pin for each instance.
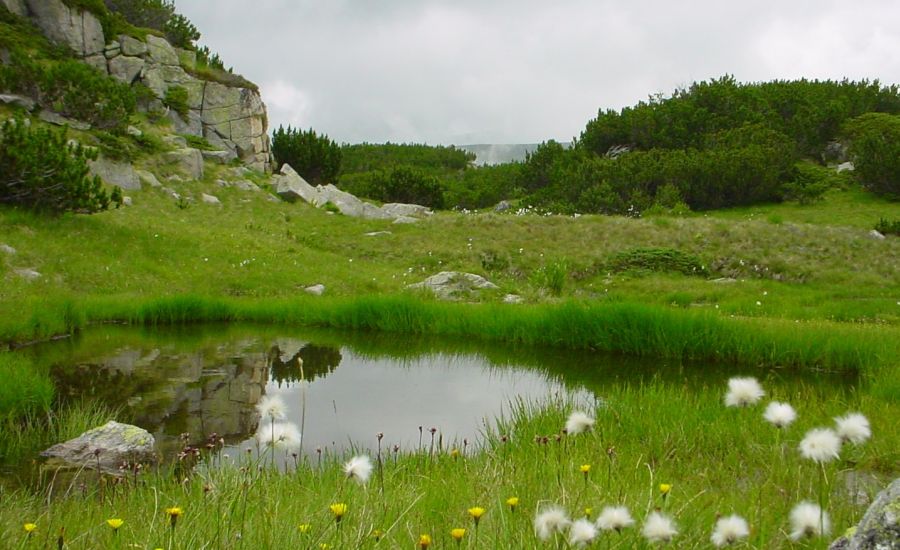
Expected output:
(313, 156)
(875, 149)
(657, 260)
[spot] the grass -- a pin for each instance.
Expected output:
(735, 464)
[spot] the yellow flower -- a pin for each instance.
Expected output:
(476, 513)
(377, 534)
(339, 510)
(304, 528)
(512, 502)
(457, 534)
(29, 528)
(665, 488)
(424, 541)
(454, 453)
(174, 513)
(588, 512)
(115, 523)
(585, 468)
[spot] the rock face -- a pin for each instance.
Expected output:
(120, 174)
(451, 285)
(16, 6)
(188, 160)
(880, 526)
(117, 444)
(74, 27)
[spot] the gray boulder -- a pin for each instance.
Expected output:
(120, 174)
(187, 160)
(396, 209)
(18, 101)
(406, 219)
(845, 167)
(108, 447)
(219, 157)
(28, 274)
(98, 61)
(148, 178)
(513, 299)
(73, 27)
(192, 126)
(315, 290)
(59, 120)
(245, 185)
(112, 49)
(209, 199)
(450, 285)
(161, 51)
(16, 6)
(6, 249)
(126, 68)
(348, 204)
(502, 206)
(132, 46)
(879, 528)
(875, 234)
(290, 186)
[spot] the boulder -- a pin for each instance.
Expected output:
(126, 201)
(218, 157)
(449, 285)
(845, 167)
(209, 199)
(113, 49)
(160, 51)
(17, 100)
(120, 174)
(290, 186)
(315, 290)
(126, 68)
(6, 249)
(28, 274)
(17, 7)
(73, 27)
(406, 219)
(376, 233)
(174, 141)
(59, 120)
(835, 151)
(98, 61)
(148, 178)
(502, 206)
(245, 185)
(512, 299)
(348, 204)
(132, 46)
(875, 234)
(880, 526)
(159, 78)
(187, 160)
(106, 447)
(133, 131)
(396, 209)
(190, 127)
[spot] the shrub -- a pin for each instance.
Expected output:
(875, 149)
(313, 156)
(408, 185)
(79, 91)
(888, 227)
(176, 98)
(181, 32)
(41, 170)
(657, 260)
(812, 181)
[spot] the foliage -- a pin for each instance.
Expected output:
(313, 156)
(658, 260)
(481, 186)
(25, 389)
(886, 227)
(812, 181)
(365, 157)
(176, 98)
(875, 149)
(551, 277)
(39, 169)
(79, 91)
(181, 32)
(206, 58)
(407, 185)
(159, 15)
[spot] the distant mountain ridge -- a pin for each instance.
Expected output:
(500, 153)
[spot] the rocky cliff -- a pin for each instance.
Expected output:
(230, 116)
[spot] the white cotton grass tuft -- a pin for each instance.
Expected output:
(743, 392)
(582, 532)
(820, 445)
(729, 530)
(578, 422)
(359, 468)
(281, 435)
(549, 521)
(808, 520)
(853, 427)
(659, 527)
(780, 415)
(614, 518)
(272, 407)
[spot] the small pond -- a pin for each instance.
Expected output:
(204, 379)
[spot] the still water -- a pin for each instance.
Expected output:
(208, 379)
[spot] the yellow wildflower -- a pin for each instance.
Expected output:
(457, 534)
(665, 488)
(476, 513)
(377, 534)
(585, 468)
(512, 502)
(29, 528)
(588, 512)
(115, 523)
(424, 541)
(454, 453)
(339, 510)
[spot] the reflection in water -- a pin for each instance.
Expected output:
(318, 362)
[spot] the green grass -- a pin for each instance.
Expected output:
(26, 388)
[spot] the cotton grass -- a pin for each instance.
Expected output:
(729, 530)
(809, 520)
(820, 445)
(272, 407)
(359, 468)
(614, 518)
(853, 427)
(550, 521)
(281, 435)
(579, 422)
(780, 415)
(743, 392)
(582, 533)
(659, 527)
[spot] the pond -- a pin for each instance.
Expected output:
(209, 379)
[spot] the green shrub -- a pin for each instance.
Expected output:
(551, 277)
(886, 227)
(313, 156)
(79, 91)
(811, 182)
(657, 260)
(39, 169)
(181, 32)
(176, 98)
(407, 185)
(875, 149)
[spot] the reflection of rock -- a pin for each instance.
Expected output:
(109, 447)
(318, 361)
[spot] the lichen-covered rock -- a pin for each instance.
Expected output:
(126, 68)
(188, 160)
(450, 285)
(74, 27)
(396, 209)
(132, 46)
(120, 174)
(879, 528)
(290, 186)
(106, 447)
(161, 51)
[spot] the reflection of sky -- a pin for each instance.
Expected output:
(455, 394)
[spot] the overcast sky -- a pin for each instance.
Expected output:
(521, 71)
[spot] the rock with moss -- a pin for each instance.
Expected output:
(106, 448)
(879, 528)
(453, 285)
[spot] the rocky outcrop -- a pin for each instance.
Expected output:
(880, 526)
(107, 448)
(120, 174)
(74, 27)
(452, 285)
(16, 6)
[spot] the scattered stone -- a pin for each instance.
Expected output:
(59, 120)
(502, 206)
(148, 178)
(879, 528)
(6, 249)
(132, 46)
(188, 160)
(272, 198)
(219, 157)
(245, 185)
(106, 447)
(126, 201)
(28, 274)
(126, 68)
(290, 186)
(172, 193)
(875, 234)
(406, 219)
(395, 210)
(724, 281)
(513, 299)
(241, 171)
(845, 167)
(450, 285)
(315, 290)
(120, 174)
(209, 199)
(133, 131)
(18, 101)
(377, 233)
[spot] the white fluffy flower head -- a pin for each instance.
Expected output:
(582, 533)
(743, 392)
(550, 521)
(272, 407)
(780, 415)
(853, 427)
(659, 528)
(729, 530)
(281, 435)
(808, 520)
(578, 422)
(820, 445)
(614, 517)
(359, 468)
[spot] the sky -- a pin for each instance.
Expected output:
(523, 71)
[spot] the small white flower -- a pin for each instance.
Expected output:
(273, 407)
(281, 435)
(550, 521)
(359, 468)
(729, 530)
(578, 422)
(820, 445)
(658, 528)
(743, 392)
(781, 415)
(582, 533)
(854, 428)
(808, 520)
(614, 517)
